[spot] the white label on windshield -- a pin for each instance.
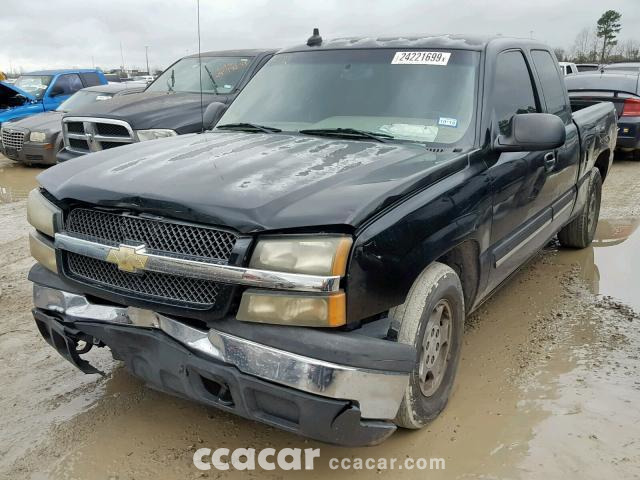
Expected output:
(448, 122)
(421, 58)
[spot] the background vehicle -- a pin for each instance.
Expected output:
(309, 263)
(37, 139)
(620, 87)
(170, 106)
(568, 68)
(38, 92)
(631, 67)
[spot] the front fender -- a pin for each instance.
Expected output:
(391, 251)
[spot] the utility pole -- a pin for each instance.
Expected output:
(146, 53)
(122, 58)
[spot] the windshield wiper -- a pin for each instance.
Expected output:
(215, 85)
(347, 133)
(249, 127)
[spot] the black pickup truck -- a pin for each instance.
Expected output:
(309, 263)
(174, 104)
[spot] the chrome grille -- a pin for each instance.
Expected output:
(159, 236)
(12, 139)
(84, 134)
(159, 287)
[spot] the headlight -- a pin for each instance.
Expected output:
(37, 137)
(293, 309)
(41, 213)
(155, 133)
(313, 255)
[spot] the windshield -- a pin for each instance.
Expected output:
(219, 75)
(35, 85)
(422, 96)
(81, 99)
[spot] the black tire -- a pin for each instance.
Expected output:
(437, 287)
(580, 231)
(636, 155)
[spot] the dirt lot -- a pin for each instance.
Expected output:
(548, 387)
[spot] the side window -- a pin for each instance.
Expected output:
(90, 79)
(552, 85)
(68, 84)
(512, 90)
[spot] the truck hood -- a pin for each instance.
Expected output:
(42, 122)
(252, 182)
(8, 90)
(177, 111)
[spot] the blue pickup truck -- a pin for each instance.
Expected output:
(45, 90)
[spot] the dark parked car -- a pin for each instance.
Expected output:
(622, 88)
(171, 105)
(309, 263)
(37, 139)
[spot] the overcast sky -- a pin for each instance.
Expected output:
(67, 33)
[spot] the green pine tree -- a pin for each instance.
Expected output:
(608, 28)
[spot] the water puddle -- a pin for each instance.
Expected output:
(16, 181)
(610, 267)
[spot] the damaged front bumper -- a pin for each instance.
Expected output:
(333, 402)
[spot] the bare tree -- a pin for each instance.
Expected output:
(585, 46)
(630, 50)
(560, 54)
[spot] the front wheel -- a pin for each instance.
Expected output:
(432, 320)
(580, 231)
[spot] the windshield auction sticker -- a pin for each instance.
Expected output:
(421, 58)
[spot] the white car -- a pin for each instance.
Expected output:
(568, 68)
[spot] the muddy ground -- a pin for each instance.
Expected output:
(548, 386)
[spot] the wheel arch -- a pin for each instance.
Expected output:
(602, 163)
(464, 259)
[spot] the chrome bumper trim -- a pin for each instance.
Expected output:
(203, 270)
(378, 392)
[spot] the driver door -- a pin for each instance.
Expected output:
(521, 214)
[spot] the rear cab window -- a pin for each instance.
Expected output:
(552, 85)
(90, 79)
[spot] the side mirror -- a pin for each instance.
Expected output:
(213, 113)
(532, 132)
(56, 90)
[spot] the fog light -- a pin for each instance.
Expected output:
(292, 309)
(42, 250)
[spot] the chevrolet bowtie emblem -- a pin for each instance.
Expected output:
(128, 259)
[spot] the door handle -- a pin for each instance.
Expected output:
(549, 161)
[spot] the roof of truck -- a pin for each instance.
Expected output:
(66, 70)
(465, 42)
(247, 52)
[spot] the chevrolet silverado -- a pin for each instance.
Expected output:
(309, 262)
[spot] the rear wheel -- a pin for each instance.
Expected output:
(580, 232)
(432, 320)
